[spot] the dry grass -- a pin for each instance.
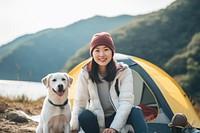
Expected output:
(23, 103)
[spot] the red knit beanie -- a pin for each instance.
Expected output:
(102, 38)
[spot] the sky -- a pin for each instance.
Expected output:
(20, 17)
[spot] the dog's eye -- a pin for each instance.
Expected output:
(54, 80)
(63, 79)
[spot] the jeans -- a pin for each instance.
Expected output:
(88, 121)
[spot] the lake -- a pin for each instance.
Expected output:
(33, 90)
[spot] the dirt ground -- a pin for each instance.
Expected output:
(10, 122)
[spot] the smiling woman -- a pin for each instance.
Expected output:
(97, 107)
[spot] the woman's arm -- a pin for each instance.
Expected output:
(125, 99)
(80, 100)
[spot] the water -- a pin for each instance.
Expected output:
(33, 90)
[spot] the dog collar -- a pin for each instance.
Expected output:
(59, 105)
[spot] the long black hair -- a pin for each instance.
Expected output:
(110, 71)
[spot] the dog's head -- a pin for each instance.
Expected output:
(58, 82)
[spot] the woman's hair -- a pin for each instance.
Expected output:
(110, 71)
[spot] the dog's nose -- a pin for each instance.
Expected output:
(60, 87)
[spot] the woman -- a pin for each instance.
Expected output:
(97, 106)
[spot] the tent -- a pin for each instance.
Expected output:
(159, 96)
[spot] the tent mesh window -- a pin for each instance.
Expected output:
(144, 98)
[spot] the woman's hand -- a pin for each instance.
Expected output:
(109, 130)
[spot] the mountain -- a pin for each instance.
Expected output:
(168, 38)
(31, 57)
(187, 68)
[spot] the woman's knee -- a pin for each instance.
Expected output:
(136, 119)
(88, 121)
(136, 114)
(136, 111)
(85, 115)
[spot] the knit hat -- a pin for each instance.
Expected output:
(102, 38)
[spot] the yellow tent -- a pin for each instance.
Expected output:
(154, 89)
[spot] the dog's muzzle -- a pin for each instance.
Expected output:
(60, 91)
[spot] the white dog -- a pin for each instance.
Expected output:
(56, 114)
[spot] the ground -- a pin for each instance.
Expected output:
(11, 123)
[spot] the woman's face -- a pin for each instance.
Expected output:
(102, 55)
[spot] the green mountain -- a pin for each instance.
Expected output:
(168, 38)
(187, 68)
(31, 57)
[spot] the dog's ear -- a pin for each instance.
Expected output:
(70, 79)
(45, 80)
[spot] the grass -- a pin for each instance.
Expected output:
(32, 107)
(21, 99)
